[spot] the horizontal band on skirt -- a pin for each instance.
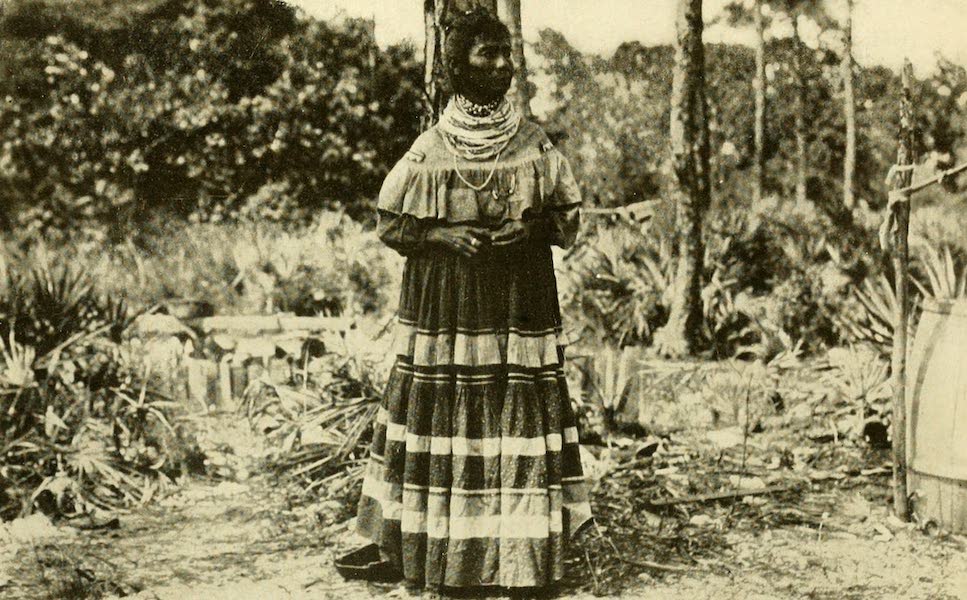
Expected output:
(468, 562)
(497, 512)
(480, 348)
(524, 332)
(489, 446)
(475, 477)
(492, 375)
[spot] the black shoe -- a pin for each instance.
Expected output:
(366, 563)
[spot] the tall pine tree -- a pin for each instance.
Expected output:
(849, 110)
(691, 182)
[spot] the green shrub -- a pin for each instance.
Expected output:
(859, 376)
(613, 283)
(210, 110)
(331, 266)
(80, 426)
(770, 275)
(868, 316)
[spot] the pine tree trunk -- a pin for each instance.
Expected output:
(435, 15)
(690, 186)
(849, 160)
(759, 88)
(802, 160)
(519, 90)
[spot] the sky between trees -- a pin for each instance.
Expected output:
(884, 30)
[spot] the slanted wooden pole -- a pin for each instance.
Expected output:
(900, 207)
(759, 89)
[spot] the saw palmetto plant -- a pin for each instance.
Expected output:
(620, 284)
(872, 322)
(945, 278)
(80, 427)
(860, 375)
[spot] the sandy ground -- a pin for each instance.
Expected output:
(240, 541)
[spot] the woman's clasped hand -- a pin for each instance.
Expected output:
(469, 239)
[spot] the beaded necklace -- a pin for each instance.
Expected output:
(476, 132)
(476, 110)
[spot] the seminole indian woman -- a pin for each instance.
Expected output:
(475, 477)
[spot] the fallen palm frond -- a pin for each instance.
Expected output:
(652, 519)
(319, 433)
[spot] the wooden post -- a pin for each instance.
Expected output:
(901, 215)
(202, 381)
(849, 108)
(225, 400)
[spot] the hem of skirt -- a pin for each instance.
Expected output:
(581, 527)
(486, 586)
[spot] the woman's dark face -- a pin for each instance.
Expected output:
(489, 69)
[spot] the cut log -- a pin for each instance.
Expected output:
(728, 495)
(255, 325)
(202, 376)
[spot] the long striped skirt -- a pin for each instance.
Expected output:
(475, 476)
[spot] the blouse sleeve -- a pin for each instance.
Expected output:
(558, 222)
(404, 233)
(401, 231)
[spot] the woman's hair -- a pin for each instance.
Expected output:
(462, 31)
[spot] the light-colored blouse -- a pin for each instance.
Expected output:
(530, 180)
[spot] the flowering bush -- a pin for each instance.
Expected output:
(205, 110)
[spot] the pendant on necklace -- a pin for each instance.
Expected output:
(495, 205)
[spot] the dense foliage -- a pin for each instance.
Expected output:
(195, 108)
(82, 425)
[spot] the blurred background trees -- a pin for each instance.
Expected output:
(116, 119)
(779, 269)
(113, 113)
